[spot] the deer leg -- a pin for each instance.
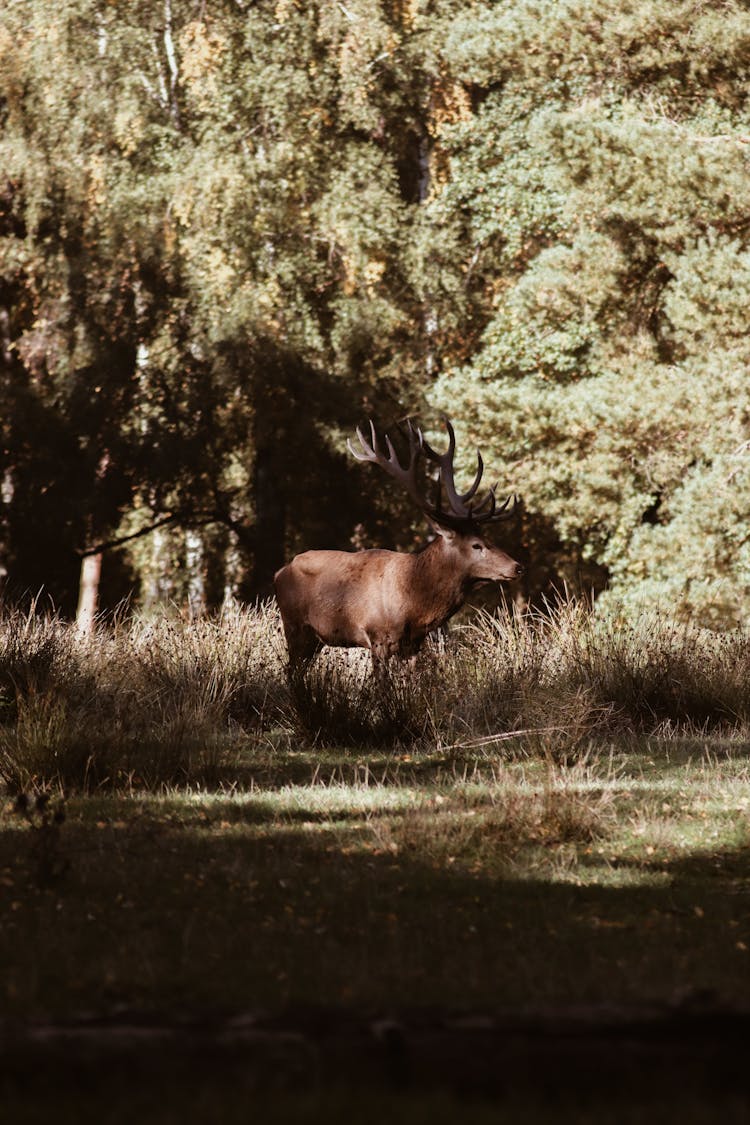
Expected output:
(410, 645)
(303, 645)
(382, 652)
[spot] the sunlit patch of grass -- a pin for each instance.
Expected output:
(541, 874)
(315, 804)
(659, 832)
(489, 824)
(514, 824)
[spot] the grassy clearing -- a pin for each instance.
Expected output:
(545, 811)
(621, 879)
(142, 705)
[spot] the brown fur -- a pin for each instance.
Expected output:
(386, 601)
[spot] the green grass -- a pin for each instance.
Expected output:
(508, 825)
(619, 879)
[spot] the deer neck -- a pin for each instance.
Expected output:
(441, 586)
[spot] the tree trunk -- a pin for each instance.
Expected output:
(270, 521)
(194, 566)
(88, 593)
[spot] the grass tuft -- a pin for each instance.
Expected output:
(148, 704)
(338, 702)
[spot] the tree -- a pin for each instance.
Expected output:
(597, 194)
(231, 231)
(76, 249)
(208, 244)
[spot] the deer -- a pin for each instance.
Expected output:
(390, 601)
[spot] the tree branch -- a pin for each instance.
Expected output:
(196, 519)
(110, 544)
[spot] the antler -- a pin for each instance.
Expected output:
(462, 513)
(406, 476)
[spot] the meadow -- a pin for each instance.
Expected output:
(549, 813)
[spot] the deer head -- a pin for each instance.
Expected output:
(458, 517)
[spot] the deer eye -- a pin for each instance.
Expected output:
(477, 546)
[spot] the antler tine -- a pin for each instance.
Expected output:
(373, 438)
(477, 479)
(485, 509)
(444, 461)
(503, 513)
(416, 441)
(457, 500)
(367, 454)
(495, 513)
(392, 458)
(405, 475)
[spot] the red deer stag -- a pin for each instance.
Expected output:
(388, 601)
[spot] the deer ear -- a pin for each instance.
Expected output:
(447, 532)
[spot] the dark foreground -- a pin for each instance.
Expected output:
(591, 1063)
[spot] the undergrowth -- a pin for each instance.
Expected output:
(147, 704)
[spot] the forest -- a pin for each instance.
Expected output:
(510, 875)
(231, 231)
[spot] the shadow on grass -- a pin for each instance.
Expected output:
(179, 907)
(238, 905)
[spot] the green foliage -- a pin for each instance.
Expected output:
(600, 186)
(233, 232)
(205, 217)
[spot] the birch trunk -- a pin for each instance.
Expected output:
(88, 593)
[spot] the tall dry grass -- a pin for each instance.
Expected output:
(168, 701)
(137, 703)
